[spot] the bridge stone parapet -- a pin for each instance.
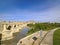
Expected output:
(33, 39)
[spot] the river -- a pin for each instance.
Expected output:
(14, 41)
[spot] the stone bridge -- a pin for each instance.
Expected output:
(8, 28)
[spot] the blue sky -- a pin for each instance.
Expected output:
(25, 10)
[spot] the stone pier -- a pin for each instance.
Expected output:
(8, 28)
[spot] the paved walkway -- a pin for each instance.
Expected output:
(48, 40)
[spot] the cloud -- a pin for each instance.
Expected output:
(43, 12)
(49, 15)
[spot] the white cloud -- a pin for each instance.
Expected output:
(50, 14)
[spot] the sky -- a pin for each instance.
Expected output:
(25, 10)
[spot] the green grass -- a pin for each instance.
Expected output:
(44, 26)
(56, 37)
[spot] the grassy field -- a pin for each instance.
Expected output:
(44, 26)
(56, 37)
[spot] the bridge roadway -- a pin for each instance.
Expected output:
(47, 38)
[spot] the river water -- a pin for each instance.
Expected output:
(14, 41)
